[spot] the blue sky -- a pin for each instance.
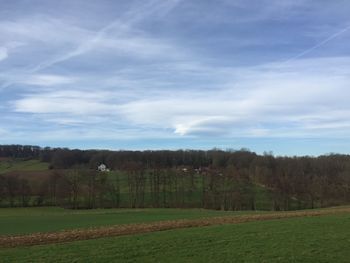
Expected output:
(166, 74)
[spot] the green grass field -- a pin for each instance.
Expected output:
(305, 239)
(308, 239)
(14, 221)
(21, 165)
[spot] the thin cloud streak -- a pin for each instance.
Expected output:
(318, 45)
(260, 100)
(122, 25)
(3, 53)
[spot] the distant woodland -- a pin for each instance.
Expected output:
(213, 179)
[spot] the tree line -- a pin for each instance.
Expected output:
(214, 179)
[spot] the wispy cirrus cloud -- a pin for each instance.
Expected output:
(47, 80)
(171, 71)
(7, 47)
(118, 27)
(298, 98)
(64, 102)
(3, 53)
(55, 41)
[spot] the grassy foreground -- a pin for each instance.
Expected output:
(307, 239)
(11, 165)
(15, 221)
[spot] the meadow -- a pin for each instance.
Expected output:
(56, 234)
(11, 165)
(14, 221)
(304, 239)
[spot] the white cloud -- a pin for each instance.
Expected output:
(65, 102)
(3, 53)
(267, 101)
(120, 28)
(290, 96)
(48, 80)
(50, 41)
(130, 83)
(301, 98)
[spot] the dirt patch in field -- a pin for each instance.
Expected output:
(130, 229)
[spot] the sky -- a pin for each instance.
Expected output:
(266, 75)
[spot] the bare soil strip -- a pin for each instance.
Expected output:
(131, 229)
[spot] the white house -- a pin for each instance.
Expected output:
(102, 168)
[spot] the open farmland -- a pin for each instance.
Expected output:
(174, 131)
(309, 237)
(48, 219)
(18, 165)
(243, 212)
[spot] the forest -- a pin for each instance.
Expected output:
(213, 179)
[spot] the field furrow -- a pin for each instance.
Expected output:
(130, 229)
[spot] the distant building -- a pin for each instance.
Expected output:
(102, 168)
